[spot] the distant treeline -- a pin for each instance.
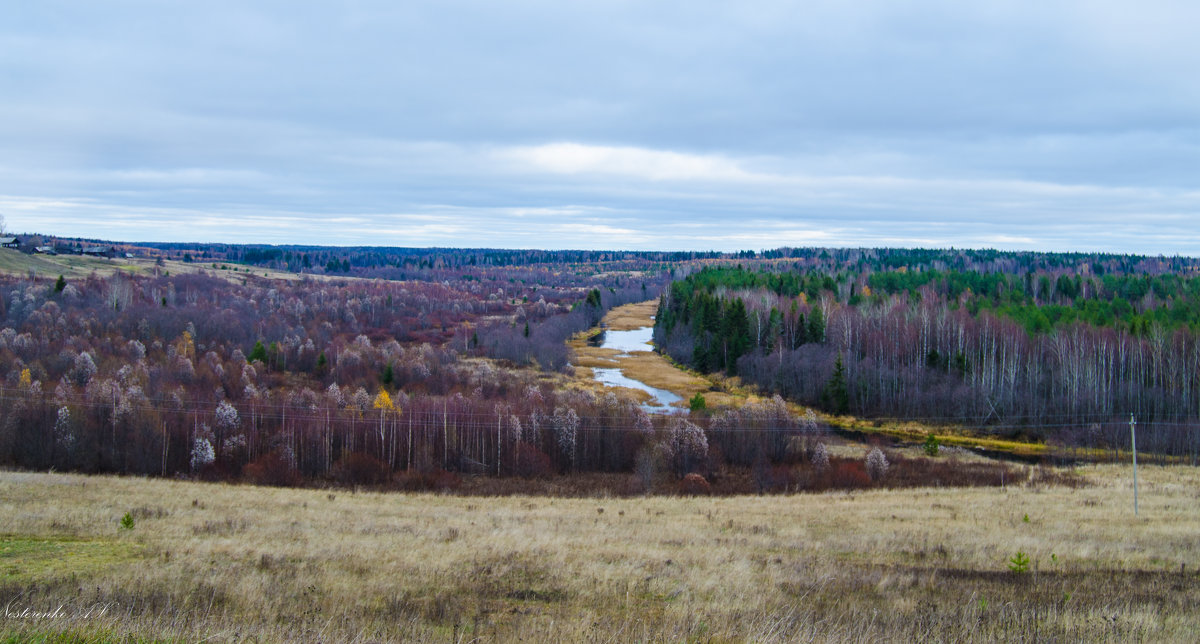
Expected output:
(1038, 301)
(377, 260)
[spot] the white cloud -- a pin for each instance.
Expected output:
(641, 163)
(1008, 241)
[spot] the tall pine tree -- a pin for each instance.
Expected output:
(836, 396)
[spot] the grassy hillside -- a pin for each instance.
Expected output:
(17, 263)
(13, 262)
(234, 562)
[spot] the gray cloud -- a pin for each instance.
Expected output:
(1051, 125)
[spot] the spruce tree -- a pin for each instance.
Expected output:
(836, 396)
(259, 353)
(816, 325)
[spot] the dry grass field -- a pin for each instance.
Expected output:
(13, 262)
(229, 563)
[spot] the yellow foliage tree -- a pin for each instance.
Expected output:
(185, 346)
(383, 401)
(26, 380)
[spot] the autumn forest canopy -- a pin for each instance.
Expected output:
(424, 366)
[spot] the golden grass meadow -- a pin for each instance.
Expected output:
(219, 562)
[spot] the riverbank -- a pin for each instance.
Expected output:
(647, 367)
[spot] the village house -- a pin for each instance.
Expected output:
(99, 251)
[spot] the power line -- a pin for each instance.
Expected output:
(433, 416)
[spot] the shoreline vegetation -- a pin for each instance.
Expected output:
(651, 368)
(211, 560)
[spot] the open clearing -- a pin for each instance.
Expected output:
(14, 262)
(235, 562)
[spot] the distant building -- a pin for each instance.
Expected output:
(9, 242)
(45, 250)
(99, 251)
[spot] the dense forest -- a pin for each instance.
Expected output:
(360, 381)
(1062, 350)
(451, 366)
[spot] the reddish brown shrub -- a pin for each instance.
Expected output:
(694, 485)
(357, 468)
(215, 471)
(444, 481)
(848, 474)
(772, 478)
(938, 472)
(531, 462)
(433, 480)
(275, 468)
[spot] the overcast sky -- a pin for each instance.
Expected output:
(1050, 125)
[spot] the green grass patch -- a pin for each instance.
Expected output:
(17, 263)
(46, 635)
(27, 559)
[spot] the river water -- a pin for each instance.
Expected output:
(627, 342)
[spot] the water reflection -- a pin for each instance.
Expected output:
(627, 342)
(660, 398)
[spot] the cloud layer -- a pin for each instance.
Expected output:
(1051, 125)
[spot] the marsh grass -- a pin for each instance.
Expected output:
(628, 317)
(238, 562)
(651, 368)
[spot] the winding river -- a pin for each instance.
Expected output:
(628, 342)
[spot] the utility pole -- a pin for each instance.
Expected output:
(1133, 440)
